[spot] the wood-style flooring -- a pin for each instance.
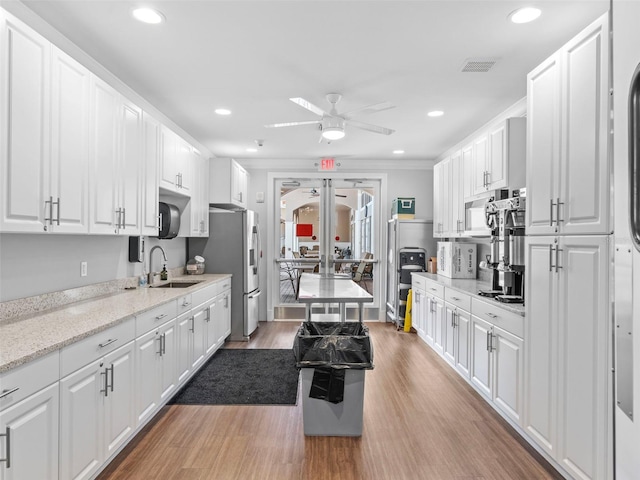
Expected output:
(421, 421)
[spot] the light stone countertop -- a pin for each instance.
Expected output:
(28, 338)
(316, 288)
(472, 287)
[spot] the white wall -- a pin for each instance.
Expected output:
(36, 264)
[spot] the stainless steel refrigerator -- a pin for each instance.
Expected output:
(233, 247)
(404, 234)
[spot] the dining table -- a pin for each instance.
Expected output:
(329, 289)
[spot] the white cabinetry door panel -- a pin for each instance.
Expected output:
(130, 163)
(33, 429)
(119, 401)
(585, 174)
(24, 128)
(480, 355)
(169, 361)
(497, 157)
(543, 146)
(480, 152)
(449, 341)
(104, 155)
(463, 326)
(69, 174)
(150, 180)
(583, 359)
(211, 325)
(540, 357)
(185, 346)
(147, 348)
(438, 325)
(168, 160)
(198, 332)
(508, 373)
(82, 422)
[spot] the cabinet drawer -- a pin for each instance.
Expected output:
(155, 317)
(27, 379)
(185, 302)
(86, 351)
(204, 294)
(509, 321)
(434, 288)
(418, 281)
(223, 285)
(459, 299)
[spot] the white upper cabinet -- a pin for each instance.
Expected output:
(499, 157)
(200, 196)
(175, 166)
(228, 183)
(568, 175)
(442, 198)
(116, 160)
(150, 172)
(456, 195)
(45, 165)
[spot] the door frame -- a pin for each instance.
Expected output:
(374, 312)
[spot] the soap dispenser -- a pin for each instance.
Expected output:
(164, 275)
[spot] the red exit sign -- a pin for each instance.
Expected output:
(327, 164)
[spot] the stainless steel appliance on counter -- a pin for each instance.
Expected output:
(406, 235)
(505, 218)
(233, 247)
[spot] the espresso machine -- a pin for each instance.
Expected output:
(505, 219)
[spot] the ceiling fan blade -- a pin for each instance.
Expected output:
(371, 128)
(292, 124)
(309, 106)
(378, 107)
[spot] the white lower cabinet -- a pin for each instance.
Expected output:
(185, 346)
(418, 312)
(156, 364)
(30, 444)
(497, 366)
(96, 412)
(436, 317)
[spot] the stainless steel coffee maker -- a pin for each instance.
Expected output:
(505, 219)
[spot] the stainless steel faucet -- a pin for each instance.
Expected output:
(152, 274)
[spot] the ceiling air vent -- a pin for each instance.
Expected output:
(478, 65)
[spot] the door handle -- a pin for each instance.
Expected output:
(551, 205)
(6, 393)
(634, 158)
(558, 250)
(551, 248)
(50, 202)
(57, 204)
(488, 340)
(7, 442)
(558, 219)
(108, 342)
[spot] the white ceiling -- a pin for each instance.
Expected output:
(251, 56)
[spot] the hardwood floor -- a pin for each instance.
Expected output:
(421, 421)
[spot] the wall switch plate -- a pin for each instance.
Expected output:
(83, 269)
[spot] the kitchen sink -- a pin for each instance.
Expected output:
(176, 285)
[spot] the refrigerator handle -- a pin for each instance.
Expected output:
(634, 158)
(255, 241)
(254, 295)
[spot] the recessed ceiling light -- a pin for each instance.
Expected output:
(398, 152)
(252, 150)
(148, 15)
(223, 111)
(435, 113)
(525, 15)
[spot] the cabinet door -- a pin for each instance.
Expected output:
(147, 364)
(184, 346)
(541, 364)
(198, 331)
(130, 163)
(467, 172)
(480, 355)
(24, 128)
(104, 158)
(416, 312)
(438, 200)
(584, 361)
(508, 372)
(168, 361)
(497, 158)
(456, 199)
(543, 147)
(463, 325)
(429, 319)
(226, 316)
(239, 184)
(33, 433)
(204, 191)
(82, 421)
(480, 152)
(69, 177)
(119, 413)
(585, 179)
(438, 326)
(150, 180)
(168, 159)
(184, 165)
(449, 333)
(211, 325)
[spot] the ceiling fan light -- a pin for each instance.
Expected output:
(333, 133)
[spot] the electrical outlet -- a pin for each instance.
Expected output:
(83, 269)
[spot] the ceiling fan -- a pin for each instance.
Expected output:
(332, 123)
(315, 193)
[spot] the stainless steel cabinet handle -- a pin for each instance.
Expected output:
(488, 340)
(164, 344)
(551, 258)
(7, 442)
(551, 205)
(106, 382)
(112, 376)
(159, 352)
(57, 204)
(186, 304)
(491, 347)
(159, 222)
(455, 298)
(193, 325)
(124, 218)
(491, 315)
(50, 202)
(177, 180)
(558, 250)
(6, 393)
(558, 219)
(160, 317)
(108, 342)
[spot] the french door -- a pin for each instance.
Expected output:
(329, 226)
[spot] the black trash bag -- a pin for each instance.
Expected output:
(328, 384)
(336, 345)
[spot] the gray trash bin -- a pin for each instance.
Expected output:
(332, 358)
